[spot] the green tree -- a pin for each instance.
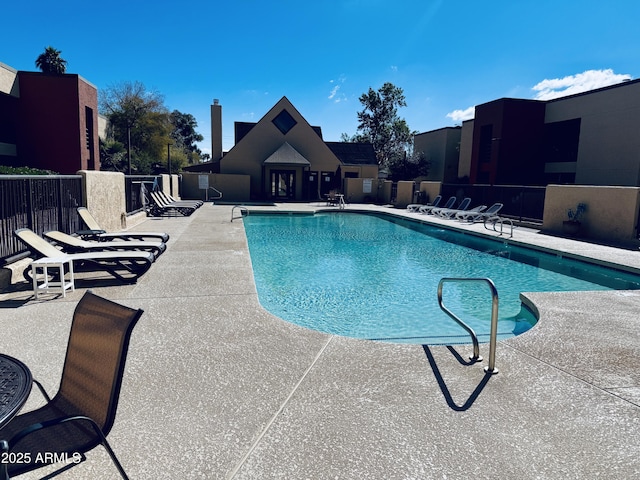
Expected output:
(113, 155)
(179, 159)
(50, 61)
(138, 119)
(409, 167)
(380, 125)
(185, 136)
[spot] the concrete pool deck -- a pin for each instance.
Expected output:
(218, 388)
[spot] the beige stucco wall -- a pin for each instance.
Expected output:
(432, 189)
(170, 184)
(611, 216)
(609, 146)
(104, 197)
(234, 188)
(363, 171)
(440, 148)
(404, 194)
(354, 190)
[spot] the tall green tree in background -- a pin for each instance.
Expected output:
(141, 123)
(185, 136)
(50, 61)
(392, 140)
(139, 120)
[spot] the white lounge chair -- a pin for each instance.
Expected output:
(126, 266)
(449, 212)
(418, 207)
(161, 207)
(474, 210)
(71, 244)
(96, 232)
(473, 217)
(427, 209)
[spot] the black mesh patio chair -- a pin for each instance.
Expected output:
(81, 414)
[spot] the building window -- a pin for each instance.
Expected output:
(486, 138)
(284, 121)
(89, 137)
(561, 141)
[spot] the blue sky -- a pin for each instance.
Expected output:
(447, 56)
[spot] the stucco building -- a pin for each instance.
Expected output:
(48, 121)
(442, 149)
(285, 157)
(585, 139)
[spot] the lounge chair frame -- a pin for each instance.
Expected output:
(160, 207)
(474, 217)
(71, 244)
(428, 209)
(96, 232)
(132, 264)
(449, 212)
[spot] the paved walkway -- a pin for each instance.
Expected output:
(216, 387)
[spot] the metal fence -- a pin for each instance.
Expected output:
(135, 186)
(40, 203)
(49, 202)
(520, 202)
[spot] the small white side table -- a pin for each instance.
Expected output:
(47, 286)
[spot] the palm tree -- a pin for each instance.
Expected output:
(51, 62)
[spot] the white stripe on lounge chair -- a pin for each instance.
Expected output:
(479, 217)
(428, 208)
(71, 244)
(170, 200)
(435, 203)
(449, 212)
(476, 209)
(449, 204)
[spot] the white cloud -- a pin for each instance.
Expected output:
(560, 87)
(582, 82)
(462, 115)
(335, 94)
(394, 68)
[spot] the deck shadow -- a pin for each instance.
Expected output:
(443, 386)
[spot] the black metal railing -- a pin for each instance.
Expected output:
(394, 192)
(520, 202)
(39, 202)
(135, 186)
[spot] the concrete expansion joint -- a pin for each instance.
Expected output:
(258, 439)
(606, 390)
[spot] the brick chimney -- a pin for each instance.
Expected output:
(216, 130)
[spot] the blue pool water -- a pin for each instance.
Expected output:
(376, 277)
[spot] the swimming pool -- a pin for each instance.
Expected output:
(376, 276)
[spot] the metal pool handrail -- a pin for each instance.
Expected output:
(491, 368)
(218, 194)
(244, 211)
(495, 220)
